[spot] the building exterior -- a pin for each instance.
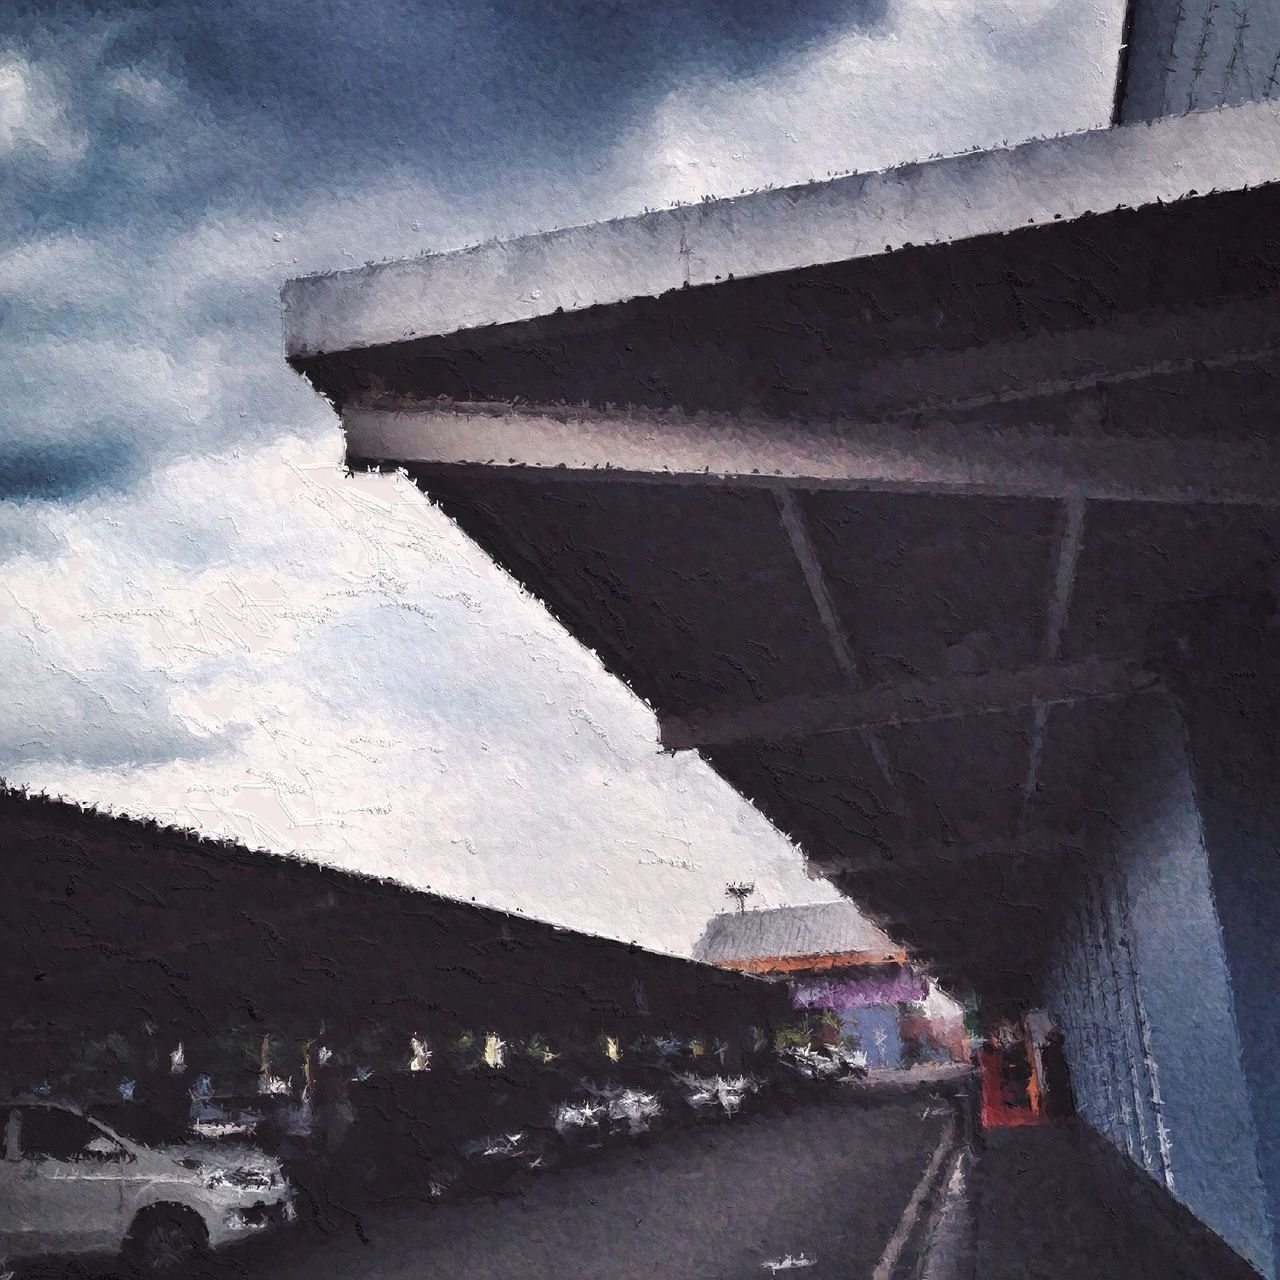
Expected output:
(240, 956)
(939, 510)
(834, 961)
(1195, 55)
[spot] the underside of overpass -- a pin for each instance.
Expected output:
(920, 504)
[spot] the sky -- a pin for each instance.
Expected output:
(202, 616)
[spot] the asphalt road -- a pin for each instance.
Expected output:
(825, 1187)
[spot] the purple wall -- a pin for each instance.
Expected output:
(847, 991)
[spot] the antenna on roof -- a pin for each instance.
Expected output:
(740, 893)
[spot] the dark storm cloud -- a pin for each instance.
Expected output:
(467, 94)
(66, 469)
(164, 117)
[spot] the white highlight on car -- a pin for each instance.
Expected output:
(727, 1092)
(419, 1054)
(71, 1185)
(502, 1146)
(634, 1107)
(820, 1064)
(854, 1058)
(829, 1064)
(215, 1129)
(581, 1114)
(789, 1263)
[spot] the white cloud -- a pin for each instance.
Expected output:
(54, 266)
(150, 91)
(379, 697)
(34, 113)
(60, 382)
(943, 76)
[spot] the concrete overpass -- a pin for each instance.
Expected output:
(938, 509)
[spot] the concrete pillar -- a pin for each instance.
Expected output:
(1142, 987)
(1221, 659)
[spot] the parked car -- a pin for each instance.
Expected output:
(72, 1184)
(639, 1095)
(636, 1104)
(445, 1130)
(852, 1062)
(799, 1072)
(581, 1120)
(279, 1123)
(716, 1096)
(598, 1101)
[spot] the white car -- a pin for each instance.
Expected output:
(714, 1094)
(69, 1184)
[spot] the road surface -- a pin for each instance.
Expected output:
(821, 1194)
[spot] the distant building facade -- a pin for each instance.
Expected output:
(835, 962)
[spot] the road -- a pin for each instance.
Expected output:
(825, 1187)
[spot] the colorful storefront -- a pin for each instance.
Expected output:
(846, 975)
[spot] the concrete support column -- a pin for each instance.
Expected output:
(1144, 992)
(1221, 659)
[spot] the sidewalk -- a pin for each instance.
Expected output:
(939, 1073)
(947, 1078)
(1056, 1201)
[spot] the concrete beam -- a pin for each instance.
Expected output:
(1156, 342)
(933, 857)
(911, 702)
(1064, 583)
(851, 666)
(797, 530)
(1058, 450)
(936, 202)
(1064, 577)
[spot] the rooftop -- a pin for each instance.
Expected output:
(192, 927)
(821, 929)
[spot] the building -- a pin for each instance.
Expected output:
(123, 939)
(834, 960)
(939, 510)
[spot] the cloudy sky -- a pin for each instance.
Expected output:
(204, 619)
